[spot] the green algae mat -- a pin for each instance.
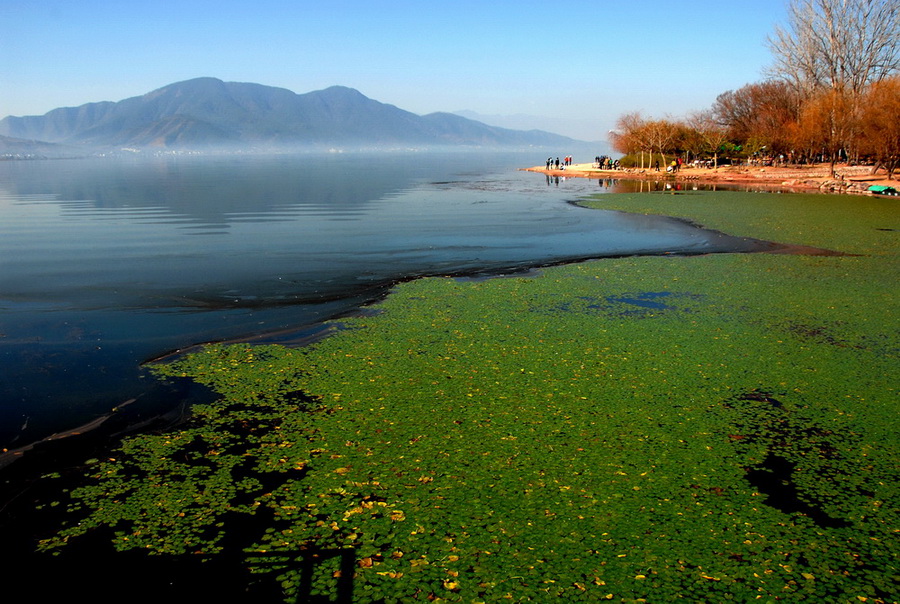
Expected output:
(704, 429)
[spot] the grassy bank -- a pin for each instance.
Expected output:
(705, 428)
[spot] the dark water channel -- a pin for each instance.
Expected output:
(106, 263)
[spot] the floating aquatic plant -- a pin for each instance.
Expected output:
(707, 429)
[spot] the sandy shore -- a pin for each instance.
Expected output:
(851, 179)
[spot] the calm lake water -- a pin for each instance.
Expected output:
(106, 263)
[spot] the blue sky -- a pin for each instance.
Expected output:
(575, 65)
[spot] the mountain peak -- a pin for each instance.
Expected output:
(193, 86)
(201, 81)
(337, 89)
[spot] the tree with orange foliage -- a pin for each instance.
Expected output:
(759, 114)
(827, 124)
(631, 135)
(879, 124)
(832, 52)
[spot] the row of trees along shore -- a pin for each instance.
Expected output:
(832, 94)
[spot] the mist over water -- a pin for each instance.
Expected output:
(106, 263)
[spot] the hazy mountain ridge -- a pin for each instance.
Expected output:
(12, 148)
(207, 112)
(575, 127)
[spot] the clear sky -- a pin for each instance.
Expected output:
(575, 63)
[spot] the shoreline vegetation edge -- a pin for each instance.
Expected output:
(807, 178)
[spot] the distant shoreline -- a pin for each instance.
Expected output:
(851, 179)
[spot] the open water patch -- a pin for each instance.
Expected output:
(631, 305)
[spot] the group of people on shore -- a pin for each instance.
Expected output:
(604, 162)
(601, 162)
(675, 166)
(557, 165)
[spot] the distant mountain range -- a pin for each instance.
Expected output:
(17, 147)
(207, 113)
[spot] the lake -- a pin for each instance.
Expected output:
(106, 263)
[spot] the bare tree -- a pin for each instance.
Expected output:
(688, 140)
(838, 44)
(710, 131)
(660, 135)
